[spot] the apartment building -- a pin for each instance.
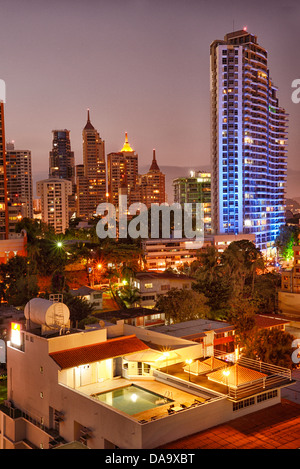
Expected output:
(54, 194)
(249, 141)
(63, 384)
(152, 284)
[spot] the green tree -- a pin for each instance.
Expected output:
(182, 305)
(129, 295)
(79, 308)
(271, 346)
(241, 260)
(287, 238)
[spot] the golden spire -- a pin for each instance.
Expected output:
(126, 146)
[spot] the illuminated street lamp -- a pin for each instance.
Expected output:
(226, 373)
(188, 362)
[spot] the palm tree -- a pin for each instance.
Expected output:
(129, 295)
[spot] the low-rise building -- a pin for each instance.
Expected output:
(89, 386)
(139, 316)
(289, 296)
(15, 245)
(93, 297)
(153, 284)
(161, 254)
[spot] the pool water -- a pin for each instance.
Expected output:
(132, 399)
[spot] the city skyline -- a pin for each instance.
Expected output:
(142, 69)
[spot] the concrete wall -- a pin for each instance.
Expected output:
(289, 303)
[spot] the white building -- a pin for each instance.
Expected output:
(66, 386)
(153, 284)
(54, 194)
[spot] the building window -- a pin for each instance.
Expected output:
(148, 285)
(242, 404)
(267, 395)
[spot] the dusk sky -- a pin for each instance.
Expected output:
(141, 66)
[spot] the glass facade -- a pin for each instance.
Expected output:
(249, 141)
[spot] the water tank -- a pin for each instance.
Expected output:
(45, 312)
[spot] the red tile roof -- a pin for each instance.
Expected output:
(101, 351)
(270, 321)
(275, 427)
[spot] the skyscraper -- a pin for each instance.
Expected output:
(92, 182)
(249, 141)
(3, 179)
(152, 185)
(61, 158)
(19, 184)
(62, 162)
(123, 169)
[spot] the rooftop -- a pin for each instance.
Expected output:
(275, 427)
(101, 351)
(189, 328)
(161, 275)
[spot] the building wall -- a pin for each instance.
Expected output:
(289, 303)
(33, 387)
(54, 194)
(249, 138)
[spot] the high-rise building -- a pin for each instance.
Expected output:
(61, 158)
(19, 184)
(91, 177)
(152, 185)
(195, 189)
(3, 179)
(249, 141)
(123, 169)
(54, 194)
(62, 162)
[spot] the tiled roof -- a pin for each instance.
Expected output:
(205, 366)
(100, 351)
(275, 427)
(269, 321)
(237, 375)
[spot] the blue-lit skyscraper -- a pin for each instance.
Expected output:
(249, 141)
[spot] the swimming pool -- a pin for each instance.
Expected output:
(132, 399)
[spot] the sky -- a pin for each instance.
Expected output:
(140, 66)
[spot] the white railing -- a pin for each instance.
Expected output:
(266, 368)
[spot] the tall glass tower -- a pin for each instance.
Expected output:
(249, 141)
(3, 179)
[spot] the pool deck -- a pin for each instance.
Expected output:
(179, 397)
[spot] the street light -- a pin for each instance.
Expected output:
(226, 373)
(188, 362)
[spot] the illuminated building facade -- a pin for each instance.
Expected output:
(195, 189)
(61, 158)
(92, 180)
(54, 194)
(19, 185)
(152, 185)
(123, 169)
(249, 141)
(62, 162)
(3, 179)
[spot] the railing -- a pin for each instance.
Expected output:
(266, 368)
(187, 386)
